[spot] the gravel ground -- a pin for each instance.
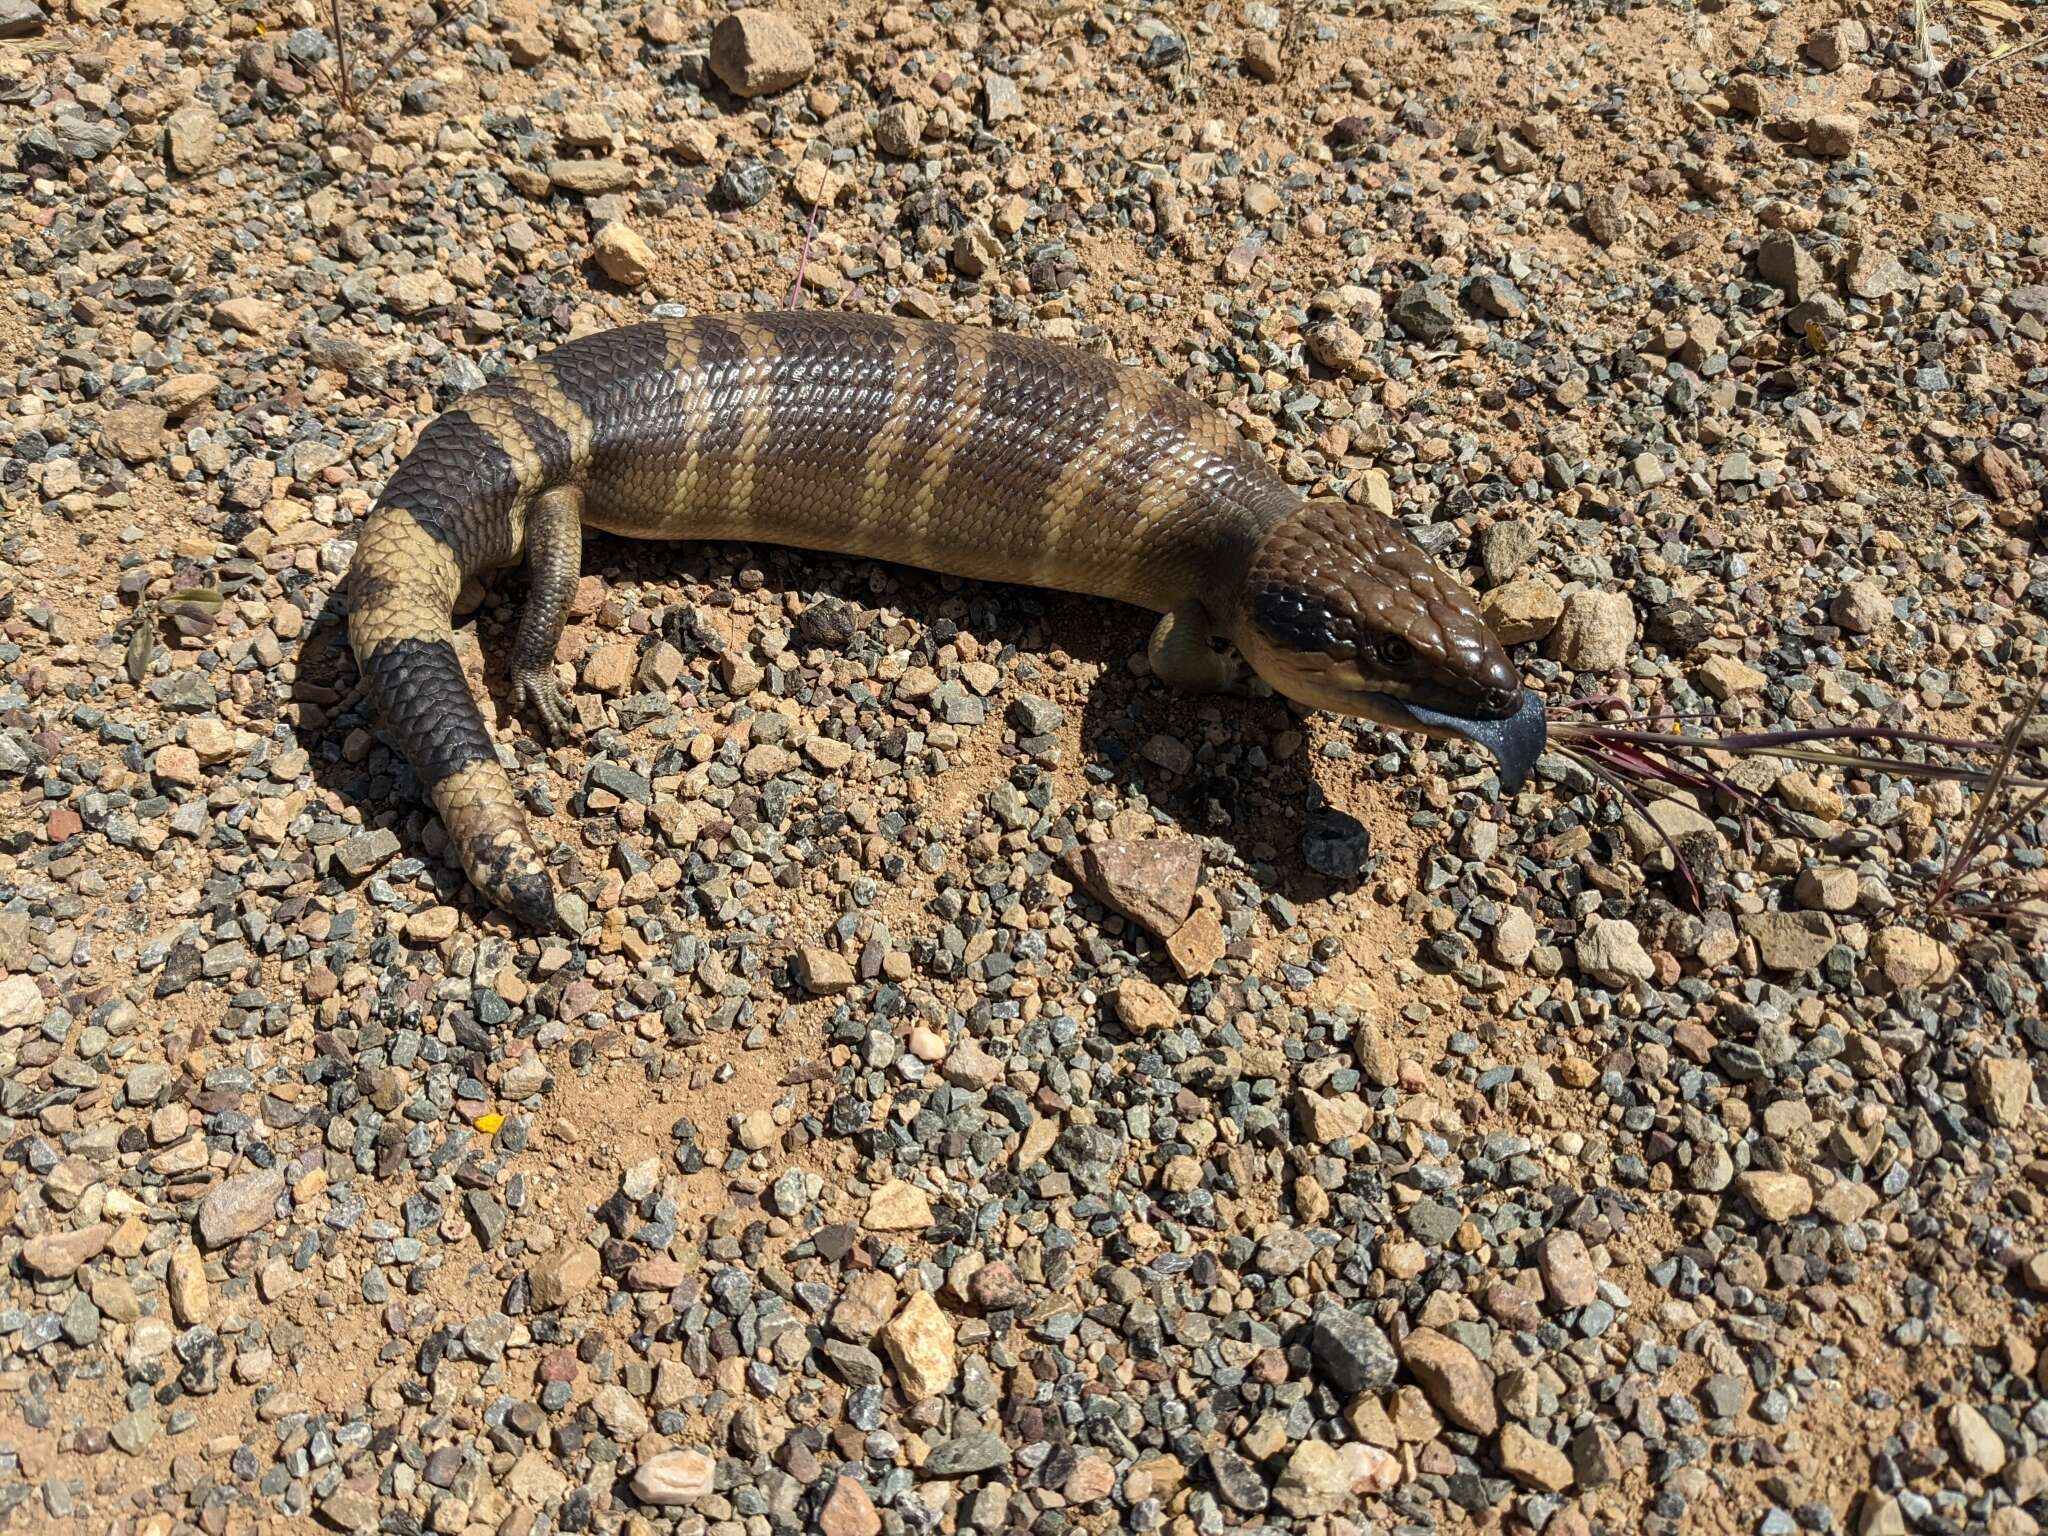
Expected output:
(989, 1092)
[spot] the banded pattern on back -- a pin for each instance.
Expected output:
(968, 452)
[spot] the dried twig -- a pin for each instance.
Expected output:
(1628, 757)
(796, 286)
(1982, 832)
(344, 81)
(1620, 786)
(351, 99)
(419, 35)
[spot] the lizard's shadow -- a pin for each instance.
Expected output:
(1228, 786)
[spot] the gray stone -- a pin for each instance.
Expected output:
(966, 1455)
(1788, 266)
(21, 18)
(1351, 1350)
(1423, 312)
(366, 852)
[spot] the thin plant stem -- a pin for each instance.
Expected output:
(344, 81)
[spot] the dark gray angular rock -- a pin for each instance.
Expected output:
(1350, 1349)
(1423, 312)
(966, 1455)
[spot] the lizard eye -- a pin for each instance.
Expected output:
(1395, 651)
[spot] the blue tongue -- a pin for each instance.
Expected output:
(1515, 742)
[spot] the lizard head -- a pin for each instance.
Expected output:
(1340, 610)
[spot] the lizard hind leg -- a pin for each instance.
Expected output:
(554, 561)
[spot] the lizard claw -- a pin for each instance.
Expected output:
(540, 695)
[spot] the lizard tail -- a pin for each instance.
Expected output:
(455, 507)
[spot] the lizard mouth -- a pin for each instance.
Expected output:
(1515, 740)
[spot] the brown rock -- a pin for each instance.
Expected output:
(822, 972)
(58, 1255)
(191, 1297)
(176, 767)
(1337, 1118)
(1197, 944)
(1507, 1303)
(2001, 1088)
(192, 140)
(1873, 272)
(1151, 881)
(1833, 135)
(1835, 45)
(968, 1066)
(919, 1341)
(1315, 1481)
(1789, 941)
(1521, 610)
(1514, 938)
(864, 1305)
(1144, 1009)
(1453, 1379)
(1093, 1477)
(2003, 478)
(1782, 261)
(1910, 959)
(1534, 1462)
(1726, 678)
(527, 47)
(591, 178)
(1861, 608)
(1567, 1269)
(622, 255)
(996, 1286)
(609, 669)
(1775, 1196)
(183, 393)
(1594, 631)
(898, 1207)
(561, 1276)
(848, 1511)
(758, 52)
(133, 433)
(238, 1206)
(1748, 95)
(1826, 888)
(1608, 220)
(1262, 59)
(658, 1272)
(1977, 1444)
(252, 316)
(674, 1477)
(899, 129)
